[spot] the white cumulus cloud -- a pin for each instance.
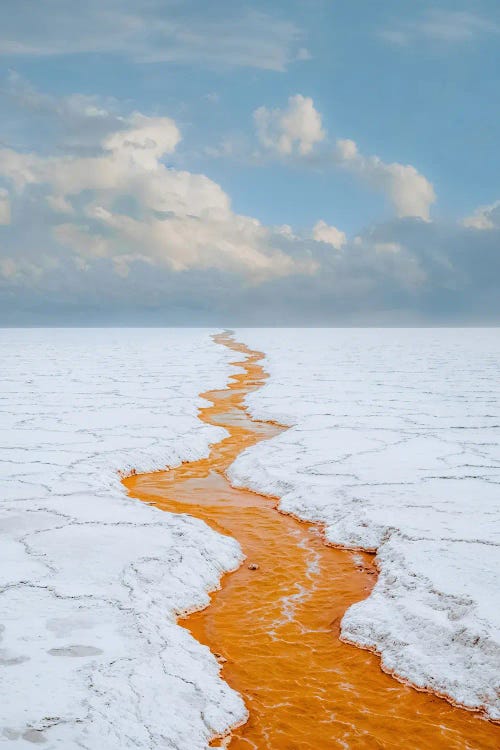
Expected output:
(484, 217)
(146, 140)
(298, 127)
(125, 205)
(294, 131)
(409, 191)
(323, 232)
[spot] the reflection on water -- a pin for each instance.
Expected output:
(276, 620)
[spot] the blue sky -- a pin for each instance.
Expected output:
(414, 85)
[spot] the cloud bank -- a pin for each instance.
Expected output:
(108, 230)
(125, 204)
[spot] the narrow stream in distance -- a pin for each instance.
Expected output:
(277, 625)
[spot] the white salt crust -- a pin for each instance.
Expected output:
(90, 579)
(395, 446)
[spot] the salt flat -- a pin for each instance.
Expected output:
(91, 580)
(395, 446)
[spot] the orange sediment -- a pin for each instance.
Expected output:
(276, 626)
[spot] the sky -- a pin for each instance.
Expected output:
(298, 162)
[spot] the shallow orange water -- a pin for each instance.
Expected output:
(277, 626)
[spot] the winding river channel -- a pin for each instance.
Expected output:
(274, 624)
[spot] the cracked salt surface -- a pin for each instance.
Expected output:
(395, 446)
(90, 580)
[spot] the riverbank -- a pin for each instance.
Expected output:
(395, 446)
(90, 580)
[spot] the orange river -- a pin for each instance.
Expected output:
(275, 627)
